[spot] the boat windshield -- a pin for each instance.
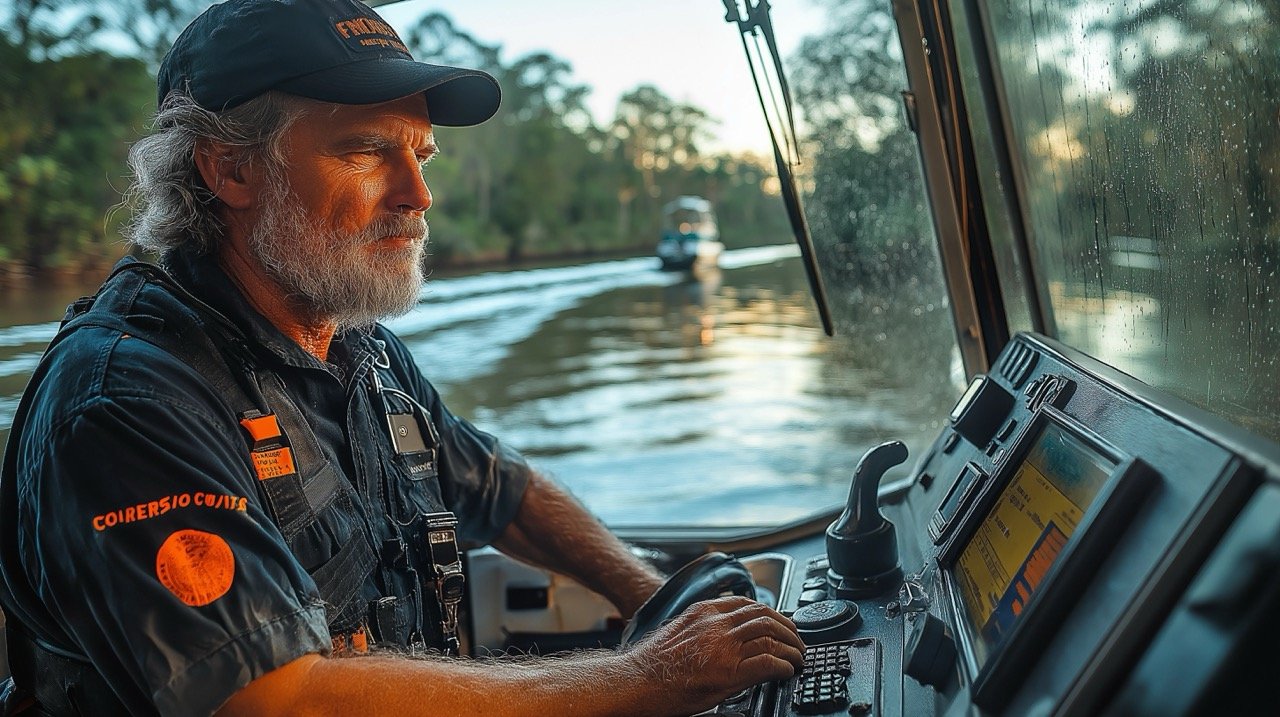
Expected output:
(1146, 152)
(893, 362)
(688, 215)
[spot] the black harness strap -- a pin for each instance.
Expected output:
(297, 498)
(215, 348)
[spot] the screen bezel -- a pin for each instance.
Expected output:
(995, 680)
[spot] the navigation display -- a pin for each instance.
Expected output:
(1005, 560)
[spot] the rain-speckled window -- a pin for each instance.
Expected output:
(894, 359)
(1147, 142)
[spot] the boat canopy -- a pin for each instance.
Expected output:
(690, 215)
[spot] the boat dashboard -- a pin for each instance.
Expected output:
(1073, 542)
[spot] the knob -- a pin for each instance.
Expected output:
(862, 546)
(827, 621)
(929, 654)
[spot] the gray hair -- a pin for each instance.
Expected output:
(172, 206)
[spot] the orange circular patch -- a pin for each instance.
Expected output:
(197, 567)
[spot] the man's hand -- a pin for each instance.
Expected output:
(718, 648)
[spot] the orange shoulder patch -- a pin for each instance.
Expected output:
(196, 566)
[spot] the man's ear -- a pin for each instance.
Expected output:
(226, 174)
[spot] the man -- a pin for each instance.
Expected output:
(228, 490)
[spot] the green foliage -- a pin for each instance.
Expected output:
(1171, 145)
(65, 125)
(1215, 130)
(541, 179)
(867, 211)
(538, 179)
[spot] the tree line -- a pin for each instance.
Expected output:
(542, 178)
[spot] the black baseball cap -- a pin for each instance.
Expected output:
(336, 51)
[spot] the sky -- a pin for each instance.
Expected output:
(683, 47)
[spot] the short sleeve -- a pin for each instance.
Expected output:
(482, 479)
(145, 539)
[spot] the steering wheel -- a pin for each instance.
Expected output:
(703, 578)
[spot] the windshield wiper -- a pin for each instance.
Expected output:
(757, 23)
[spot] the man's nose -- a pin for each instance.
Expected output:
(411, 193)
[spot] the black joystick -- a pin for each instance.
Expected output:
(862, 546)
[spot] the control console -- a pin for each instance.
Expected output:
(1074, 542)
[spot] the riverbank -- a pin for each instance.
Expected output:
(90, 269)
(20, 276)
(454, 264)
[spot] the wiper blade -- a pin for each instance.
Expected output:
(757, 23)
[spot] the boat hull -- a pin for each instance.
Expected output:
(689, 255)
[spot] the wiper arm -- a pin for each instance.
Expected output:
(758, 23)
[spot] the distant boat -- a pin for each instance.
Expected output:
(690, 238)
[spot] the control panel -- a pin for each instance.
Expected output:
(1073, 543)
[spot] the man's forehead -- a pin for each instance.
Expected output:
(403, 121)
(412, 108)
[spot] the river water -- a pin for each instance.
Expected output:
(654, 397)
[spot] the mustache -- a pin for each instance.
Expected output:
(392, 225)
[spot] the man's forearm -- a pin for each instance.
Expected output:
(584, 685)
(712, 650)
(553, 530)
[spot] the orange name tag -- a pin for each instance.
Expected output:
(273, 463)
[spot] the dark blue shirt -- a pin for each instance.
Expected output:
(134, 529)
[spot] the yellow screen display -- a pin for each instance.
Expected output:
(1017, 542)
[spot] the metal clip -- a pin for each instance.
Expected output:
(911, 598)
(450, 582)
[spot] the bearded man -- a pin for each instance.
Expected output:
(228, 489)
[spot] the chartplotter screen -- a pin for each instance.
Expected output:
(1026, 529)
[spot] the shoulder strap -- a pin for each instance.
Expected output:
(295, 479)
(201, 337)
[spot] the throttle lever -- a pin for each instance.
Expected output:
(862, 545)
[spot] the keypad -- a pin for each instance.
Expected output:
(820, 688)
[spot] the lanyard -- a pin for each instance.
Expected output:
(406, 421)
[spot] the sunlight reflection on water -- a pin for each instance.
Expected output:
(656, 398)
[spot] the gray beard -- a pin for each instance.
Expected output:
(329, 274)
